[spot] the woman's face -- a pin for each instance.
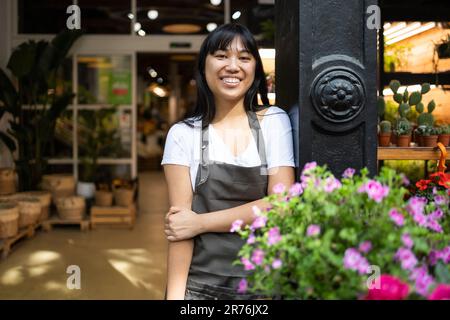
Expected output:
(230, 73)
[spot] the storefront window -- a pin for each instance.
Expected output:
(105, 16)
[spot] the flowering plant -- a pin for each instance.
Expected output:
(436, 181)
(355, 237)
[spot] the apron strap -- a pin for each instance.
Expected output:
(259, 138)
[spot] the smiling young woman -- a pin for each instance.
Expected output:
(219, 162)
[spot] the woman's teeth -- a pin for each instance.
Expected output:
(231, 80)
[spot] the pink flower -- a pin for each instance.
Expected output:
(259, 222)
(437, 214)
(397, 217)
(406, 257)
(277, 263)
(296, 189)
(416, 205)
(274, 236)
(442, 292)
(435, 226)
(421, 219)
(375, 190)
(331, 184)
(313, 230)
(279, 188)
(242, 287)
(258, 257)
(353, 260)
(251, 239)
(405, 180)
(348, 173)
(424, 281)
(309, 166)
(407, 240)
(391, 288)
(433, 257)
(440, 200)
(247, 264)
(365, 246)
(445, 254)
(236, 226)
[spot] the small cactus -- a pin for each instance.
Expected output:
(426, 118)
(403, 127)
(385, 126)
(381, 106)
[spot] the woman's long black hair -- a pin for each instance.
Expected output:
(220, 39)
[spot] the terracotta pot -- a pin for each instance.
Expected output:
(420, 140)
(444, 139)
(430, 141)
(393, 138)
(403, 141)
(384, 139)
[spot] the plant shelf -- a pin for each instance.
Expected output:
(410, 153)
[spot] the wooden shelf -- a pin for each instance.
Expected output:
(411, 153)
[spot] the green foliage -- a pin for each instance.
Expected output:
(381, 106)
(426, 130)
(385, 126)
(322, 220)
(403, 127)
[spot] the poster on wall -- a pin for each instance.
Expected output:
(119, 92)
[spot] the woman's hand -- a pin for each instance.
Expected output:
(182, 224)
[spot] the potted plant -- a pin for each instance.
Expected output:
(403, 133)
(354, 237)
(428, 135)
(384, 137)
(444, 134)
(35, 103)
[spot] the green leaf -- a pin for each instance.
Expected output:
(394, 85)
(22, 59)
(405, 95)
(431, 106)
(442, 273)
(425, 88)
(398, 97)
(415, 98)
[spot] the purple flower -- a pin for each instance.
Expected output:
(433, 257)
(421, 219)
(405, 180)
(309, 166)
(277, 263)
(331, 183)
(247, 264)
(437, 214)
(236, 226)
(313, 230)
(365, 246)
(274, 236)
(296, 189)
(434, 225)
(258, 257)
(251, 239)
(353, 260)
(259, 222)
(397, 217)
(423, 280)
(279, 188)
(348, 173)
(375, 190)
(445, 254)
(440, 200)
(407, 241)
(407, 258)
(242, 287)
(416, 205)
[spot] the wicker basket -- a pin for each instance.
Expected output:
(29, 210)
(7, 181)
(123, 197)
(60, 185)
(103, 198)
(71, 208)
(9, 219)
(44, 197)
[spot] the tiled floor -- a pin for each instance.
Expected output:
(114, 263)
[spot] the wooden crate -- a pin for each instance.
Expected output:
(115, 215)
(24, 233)
(47, 225)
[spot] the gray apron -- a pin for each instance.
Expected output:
(220, 186)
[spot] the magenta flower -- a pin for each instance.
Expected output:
(397, 217)
(391, 288)
(406, 257)
(242, 287)
(247, 264)
(277, 263)
(433, 257)
(405, 180)
(257, 257)
(259, 222)
(313, 230)
(236, 226)
(274, 236)
(416, 205)
(445, 254)
(251, 239)
(365, 246)
(442, 292)
(331, 184)
(296, 189)
(440, 200)
(309, 166)
(375, 190)
(407, 240)
(348, 173)
(279, 188)
(437, 214)
(424, 281)
(434, 225)
(421, 219)
(353, 260)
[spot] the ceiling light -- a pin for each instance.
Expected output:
(137, 26)
(211, 26)
(236, 15)
(141, 33)
(152, 14)
(130, 16)
(215, 2)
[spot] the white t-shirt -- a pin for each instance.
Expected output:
(183, 145)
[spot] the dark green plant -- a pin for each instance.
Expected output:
(385, 126)
(426, 130)
(403, 128)
(444, 129)
(34, 103)
(426, 118)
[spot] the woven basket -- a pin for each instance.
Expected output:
(103, 198)
(60, 185)
(9, 219)
(45, 197)
(29, 210)
(123, 197)
(71, 208)
(7, 181)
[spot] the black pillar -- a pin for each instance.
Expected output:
(326, 71)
